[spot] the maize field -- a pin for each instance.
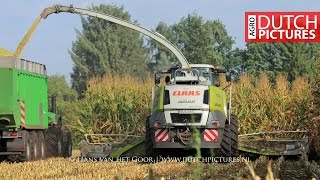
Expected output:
(263, 106)
(112, 105)
(120, 104)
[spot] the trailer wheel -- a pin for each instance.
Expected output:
(149, 150)
(53, 141)
(27, 153)
(42, 145)
(229, 143)
(34, 145)
(66, 142)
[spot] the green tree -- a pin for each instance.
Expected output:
(65, 96)
(291, 59)
(58, 84)
(201, 41)
(162, 57)
(103, 47)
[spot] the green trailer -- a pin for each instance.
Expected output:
(28, 129)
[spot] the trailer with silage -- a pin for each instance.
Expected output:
(28, 129)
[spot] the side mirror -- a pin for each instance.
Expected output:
(157, 78)
(228, 76)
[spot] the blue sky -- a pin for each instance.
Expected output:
(54, 36)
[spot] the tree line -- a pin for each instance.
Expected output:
(104, 48)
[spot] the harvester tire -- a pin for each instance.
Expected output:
(42, 145)
(149, 150)
(66, 142)
(53, 141)
(229, 143)
(27, 153)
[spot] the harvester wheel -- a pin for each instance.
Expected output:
(229, 143)
(42, 145)
(149, 150)
(34, 145)
(53, 141)
(66, 142)
(27, 153)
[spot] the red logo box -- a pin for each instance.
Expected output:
(282, 27)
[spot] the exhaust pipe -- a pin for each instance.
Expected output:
(54, 102)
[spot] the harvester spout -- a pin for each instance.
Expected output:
(154, 35)
(56, 9)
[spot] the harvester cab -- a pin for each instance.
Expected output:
(204, 74)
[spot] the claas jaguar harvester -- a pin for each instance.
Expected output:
(28, 130)
(190, 101)
(189, 111)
